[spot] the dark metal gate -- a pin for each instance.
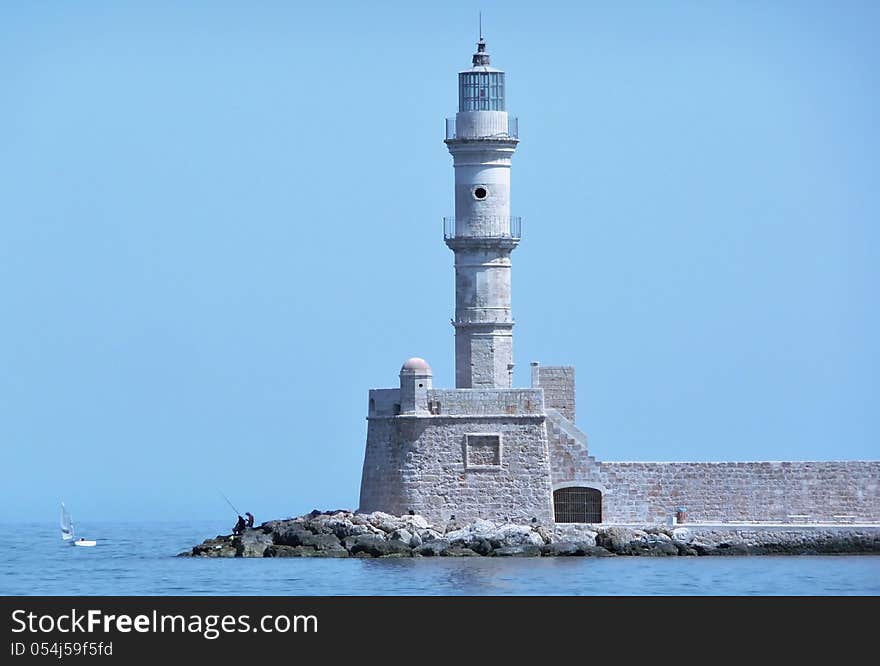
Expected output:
(577, 505)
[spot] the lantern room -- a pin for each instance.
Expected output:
(481, 88)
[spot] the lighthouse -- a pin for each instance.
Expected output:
(482, 449)
(482, 139)
(486, 450)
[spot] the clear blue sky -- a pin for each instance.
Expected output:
(220, 225)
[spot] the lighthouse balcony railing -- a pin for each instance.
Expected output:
(508, 227)
(511, 133)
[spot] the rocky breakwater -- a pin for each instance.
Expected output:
(347, 534)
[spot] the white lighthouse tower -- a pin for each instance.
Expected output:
(482, 139)
(482, 449)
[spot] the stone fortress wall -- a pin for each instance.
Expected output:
(786, 492)
(468, 453)
(643, 492)
(501, 453)
(558, 384)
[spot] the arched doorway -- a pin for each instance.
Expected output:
(577, 505)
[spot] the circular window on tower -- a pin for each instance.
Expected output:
(480, 192)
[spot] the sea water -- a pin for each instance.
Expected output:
(139, 559)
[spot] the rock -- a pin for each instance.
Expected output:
(429, 535)
(402, 535)
(389, 526)
(377, 517)
(320, 541)
(316, 525)
(544, 533)
(341, 525)
(597, 551)
(343, 533)
(682, 534)
(385, 521)
(684, 549)
(616, 539)
(335, 552)
(434, 548)
(253, 543)
(219, 547)
(573, 534)
(850, 543)
(298, 551)
(479, 529)
(525, 550)
(478, 534)
(397, 548)
(375, 546)
(453, 525)
(369, 529)
(290, 534)
(664, 548)
(651, 542)
(345, 529)
(650, 548)
(370, 544)
(463, 537)
(276, 525)
(481, 546)
(733, 549)
(415, 522)
(562, 549)
(515, 535)
(323, 542)
(349, 523)
(459, 551)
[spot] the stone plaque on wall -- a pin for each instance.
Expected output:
(482, 452)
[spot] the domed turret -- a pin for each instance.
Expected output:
(416, 364)
(415, 380)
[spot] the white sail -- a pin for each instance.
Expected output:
(66, 524)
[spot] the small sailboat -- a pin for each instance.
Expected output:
(67, 530)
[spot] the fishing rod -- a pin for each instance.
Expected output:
(237, 512)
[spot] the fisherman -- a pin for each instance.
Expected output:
(250, 520)
(239, 526)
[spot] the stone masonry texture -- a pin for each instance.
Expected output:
(570, 461)
(558, 385)
(834, 492)
(418, 463)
